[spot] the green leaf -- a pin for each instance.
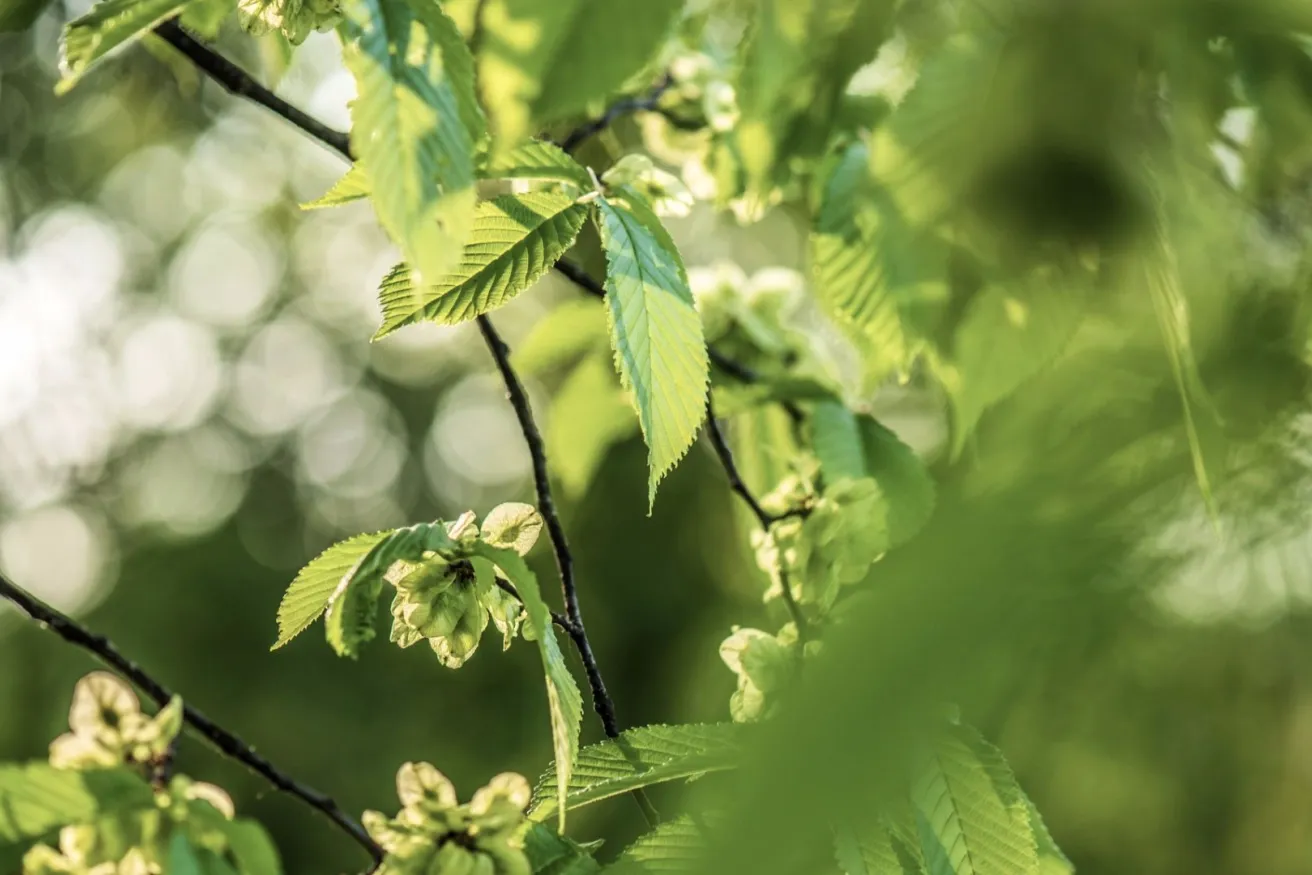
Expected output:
(516, 239)
(906, 485)
(36, 798)
(550, 853)
(836, 439)
(671, 847)
(252, 847)
(569, 332)
(353, 186)
(109, 24)
(307, 597)
(965, 826)
(655, 331)
(351, 607)
(1009, 334)
(874, 274)
(411, 125)
(514, 525)
(875, 853)
(540, 62)
(589, 416)
(18, 15)
(640, 758)
(563, 699)
(537, 159)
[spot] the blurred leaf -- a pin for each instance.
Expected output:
(410, 125)
(515, 240)
(874, 853)
(36, 798)
(589, 415)
(655, 331)
(252, 847)
(966, 828)
(205, 17)
(352, 186)
(836, 440)
(670, 847)
(18, 15)
(563, 699)
(109, 24)
(640, 758)
(351, 607)
(1011, 332)
(543, 61)
(308, 596)
(552, 854)
(571, 330)
(903, 479)
(873, 273)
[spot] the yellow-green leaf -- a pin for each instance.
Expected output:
(109, 24)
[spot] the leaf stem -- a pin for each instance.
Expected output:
(226, 742)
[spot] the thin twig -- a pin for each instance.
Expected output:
(616, 111)
(764, 517)
(577, 631)
(559, 619)
(237, 81)
(104, 650)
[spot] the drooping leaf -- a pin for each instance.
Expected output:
(410, 125)
(640, 758)
(671, 847)
(349, 621)
(874, 274)
(903, 479)
(352, 186)
(965, 826)
(542, 61)
(36, 798)
(109, 24)
(655, 331)
(589, 415)
(563, 698)
(537, 159)
(550, 853)
(515, 240)
(307, 597)
(1009, 334)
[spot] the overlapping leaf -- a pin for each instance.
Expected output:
(965, 826)
(552, 854)
(515, 240)
(563, 698)
(543, 61)
(639, 758)
(671, 847)
(307, 597)
(109, 24)
(411, 125)
(655, 331)
(589, 416)
(36, 798)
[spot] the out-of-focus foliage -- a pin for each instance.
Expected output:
(1001, 302)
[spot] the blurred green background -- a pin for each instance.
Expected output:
(190, 409)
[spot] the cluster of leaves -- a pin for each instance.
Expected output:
(105, 803)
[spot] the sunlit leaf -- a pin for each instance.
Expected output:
(655, 331)
(589, 416)
(410, 125)
(669, 848)
(352, 186)
(109, 24)
(515, 240)
(573, 328)
(542, 61)
(563, 698)
(307, 597)
(536, 159)
(36, 798)
(640, 758)
(903, 479)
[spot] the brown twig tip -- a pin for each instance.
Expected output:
(226, 742)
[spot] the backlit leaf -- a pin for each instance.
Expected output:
(109, 24)
(307, 597)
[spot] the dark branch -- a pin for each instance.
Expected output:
(227, 743)
(578, 633)
(764, 517)
(559, 619)
(237, 81)
(616, 111)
